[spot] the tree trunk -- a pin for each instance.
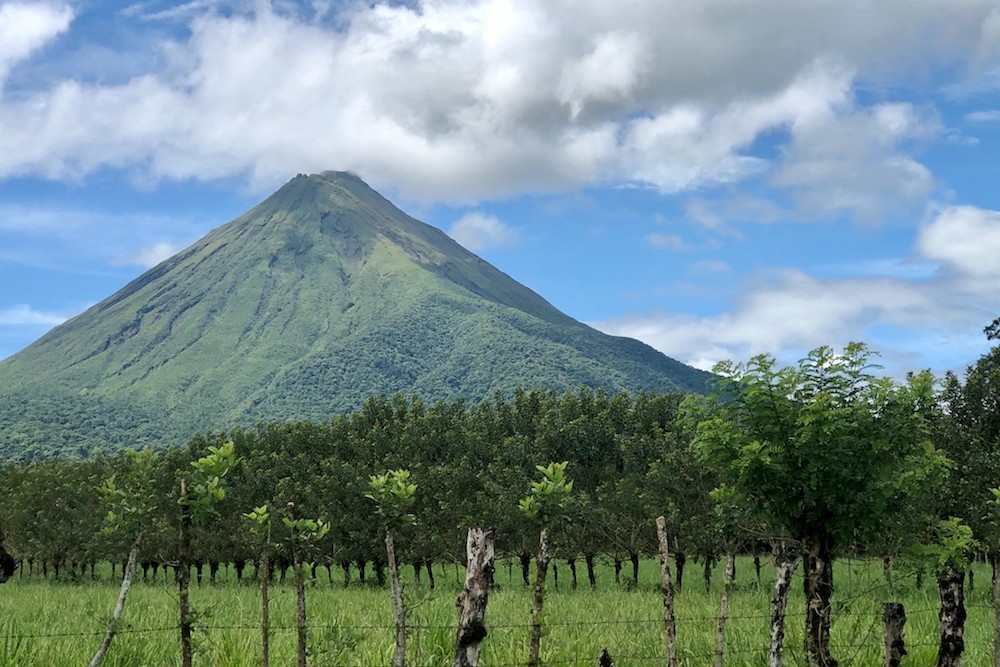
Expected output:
(399, 658)
(265, 600)
(418, 565)
(756, 568)
(618, 570)
(591, 575)
(133, 554)
(362, 566)
(680, 559)
(526, 569)
(894, 618)
(213, 571)
(720, 634)
(184, 577)
(951, 618)
(669, 621)
(430, 573)
(345, 566)
(572, 570)
(472, 602)
(538, 599)
(634, 557)
(784, 568)
(818, 586)
(707, 572)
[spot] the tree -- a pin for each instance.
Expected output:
(130, 504)
(200, 491)
(303, 533)
(393, 493)
(546, 502)
(824, 451)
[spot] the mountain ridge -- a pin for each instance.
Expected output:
(322, 294)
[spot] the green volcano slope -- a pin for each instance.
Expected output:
(320, 296)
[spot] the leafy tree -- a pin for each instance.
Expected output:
(130, 505)
(393, 493)
(547, 501)
(200, 491)
(304, 532)
(823, 450)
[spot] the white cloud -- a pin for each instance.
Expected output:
(150, 256)
(478, 232)
(21, 315)
(784, 311)
(485, 98)
(983, 116)
(966, 239)
(25, 27)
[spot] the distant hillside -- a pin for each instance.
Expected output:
(320, 296)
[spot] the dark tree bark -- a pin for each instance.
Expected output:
(526, 569)
(8, 564)
(634, 557)
(894, 618)
(818, 585)
(618, 570)
(951, 618)
(680, 559)
(572, 571)
(591, 574)
(430, 574)
(184, 577)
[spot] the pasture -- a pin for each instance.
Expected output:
(45, 623)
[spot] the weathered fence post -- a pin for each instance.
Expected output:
(894, 618)
(669, 622)
(720, 635)
(472, 601)
(785, 565)
(951, 618)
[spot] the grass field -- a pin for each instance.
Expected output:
(50, 624)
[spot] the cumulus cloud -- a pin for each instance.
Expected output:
(790, 310)
(478, 232)
(459, 101)
(25, 27)
(964, 238)
(22, 314)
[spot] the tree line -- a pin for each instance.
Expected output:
(817, 460)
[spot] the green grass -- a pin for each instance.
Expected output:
(47, 623)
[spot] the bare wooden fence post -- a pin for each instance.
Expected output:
(720, 635)
(894, 618)
(669, 622)
(785, 565)
(472, 601)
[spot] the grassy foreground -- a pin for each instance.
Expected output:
(49, 624)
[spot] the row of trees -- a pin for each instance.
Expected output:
(822, 458)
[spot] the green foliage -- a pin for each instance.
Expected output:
(130, 497)
(549, 494)
(824, 445)
(952, 548)
(394, 494)
(205, 488)
(306, 531)
(322, 296)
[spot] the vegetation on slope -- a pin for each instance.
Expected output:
(321, 296)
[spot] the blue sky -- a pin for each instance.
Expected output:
(716, 178)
